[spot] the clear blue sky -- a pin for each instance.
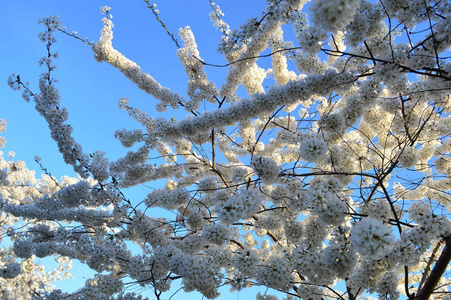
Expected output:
(90, 90)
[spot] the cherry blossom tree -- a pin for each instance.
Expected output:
(326, 175)
(20, 276)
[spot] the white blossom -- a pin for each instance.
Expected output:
(371, 237)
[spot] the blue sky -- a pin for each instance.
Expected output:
(91, 90)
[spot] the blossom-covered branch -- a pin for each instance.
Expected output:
(325, 175)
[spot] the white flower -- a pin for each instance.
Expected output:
(267, 168)
(11, 270)
(333, 15)
(371, 237)
(216, 233)
(409, 157)
(313, 149)
(105, 9)
(241, 206)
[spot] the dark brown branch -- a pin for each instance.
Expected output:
(430, 262)
(437, 272)
(155, 12)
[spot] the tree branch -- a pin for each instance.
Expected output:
(437, 272)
